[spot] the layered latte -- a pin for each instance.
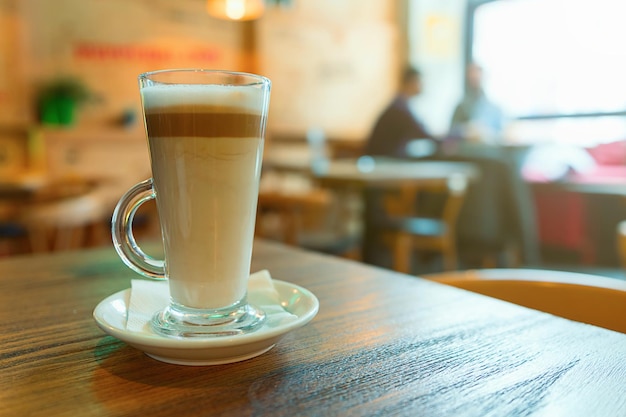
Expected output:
(206, 145)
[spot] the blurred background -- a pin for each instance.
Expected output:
(71, 134)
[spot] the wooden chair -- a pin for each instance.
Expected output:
(585, 298)
(13, 236)
(312, 219)
(289, 209)
(65, 215)
(412, 229)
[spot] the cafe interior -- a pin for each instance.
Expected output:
(546, 188)
(515, 189)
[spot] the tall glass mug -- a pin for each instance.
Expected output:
(205, 133)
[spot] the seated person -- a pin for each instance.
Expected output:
(394, 134)
(476, 118)
(396, 127)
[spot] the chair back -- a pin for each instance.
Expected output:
(581, 297)
(65, 215)
(440, 197)
(291, 209)
(423, 215)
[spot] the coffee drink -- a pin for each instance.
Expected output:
(205, 133)
(206, 145)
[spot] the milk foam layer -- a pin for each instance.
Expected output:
(238, 98)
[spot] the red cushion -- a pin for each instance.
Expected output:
(612, 153)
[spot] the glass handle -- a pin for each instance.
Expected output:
(122, 232)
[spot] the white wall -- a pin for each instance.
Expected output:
(436, 39)
(333, 65)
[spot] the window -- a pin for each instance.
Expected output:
(557, 67)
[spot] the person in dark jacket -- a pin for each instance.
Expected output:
(397, 126)
(395, 132)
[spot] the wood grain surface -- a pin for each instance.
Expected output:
(383, 344)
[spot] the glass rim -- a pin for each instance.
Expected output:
(256, 78)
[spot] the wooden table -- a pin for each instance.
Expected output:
(382, 344)
(389, 172)
(368, 171)
(613, 188)
(40, 188)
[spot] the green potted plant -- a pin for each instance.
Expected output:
(58, 99)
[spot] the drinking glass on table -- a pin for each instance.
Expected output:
(205, 133)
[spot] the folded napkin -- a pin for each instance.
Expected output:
(147, 297)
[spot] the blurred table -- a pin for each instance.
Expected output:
(369, 180)
(371, 171)
(388, 172)
(579, 215)
(41, 188)
(382, 344)
(592, 187)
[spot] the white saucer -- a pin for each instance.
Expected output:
(110, 315)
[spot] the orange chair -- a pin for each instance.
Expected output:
(585, 298)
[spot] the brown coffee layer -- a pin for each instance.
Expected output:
(203, 124)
